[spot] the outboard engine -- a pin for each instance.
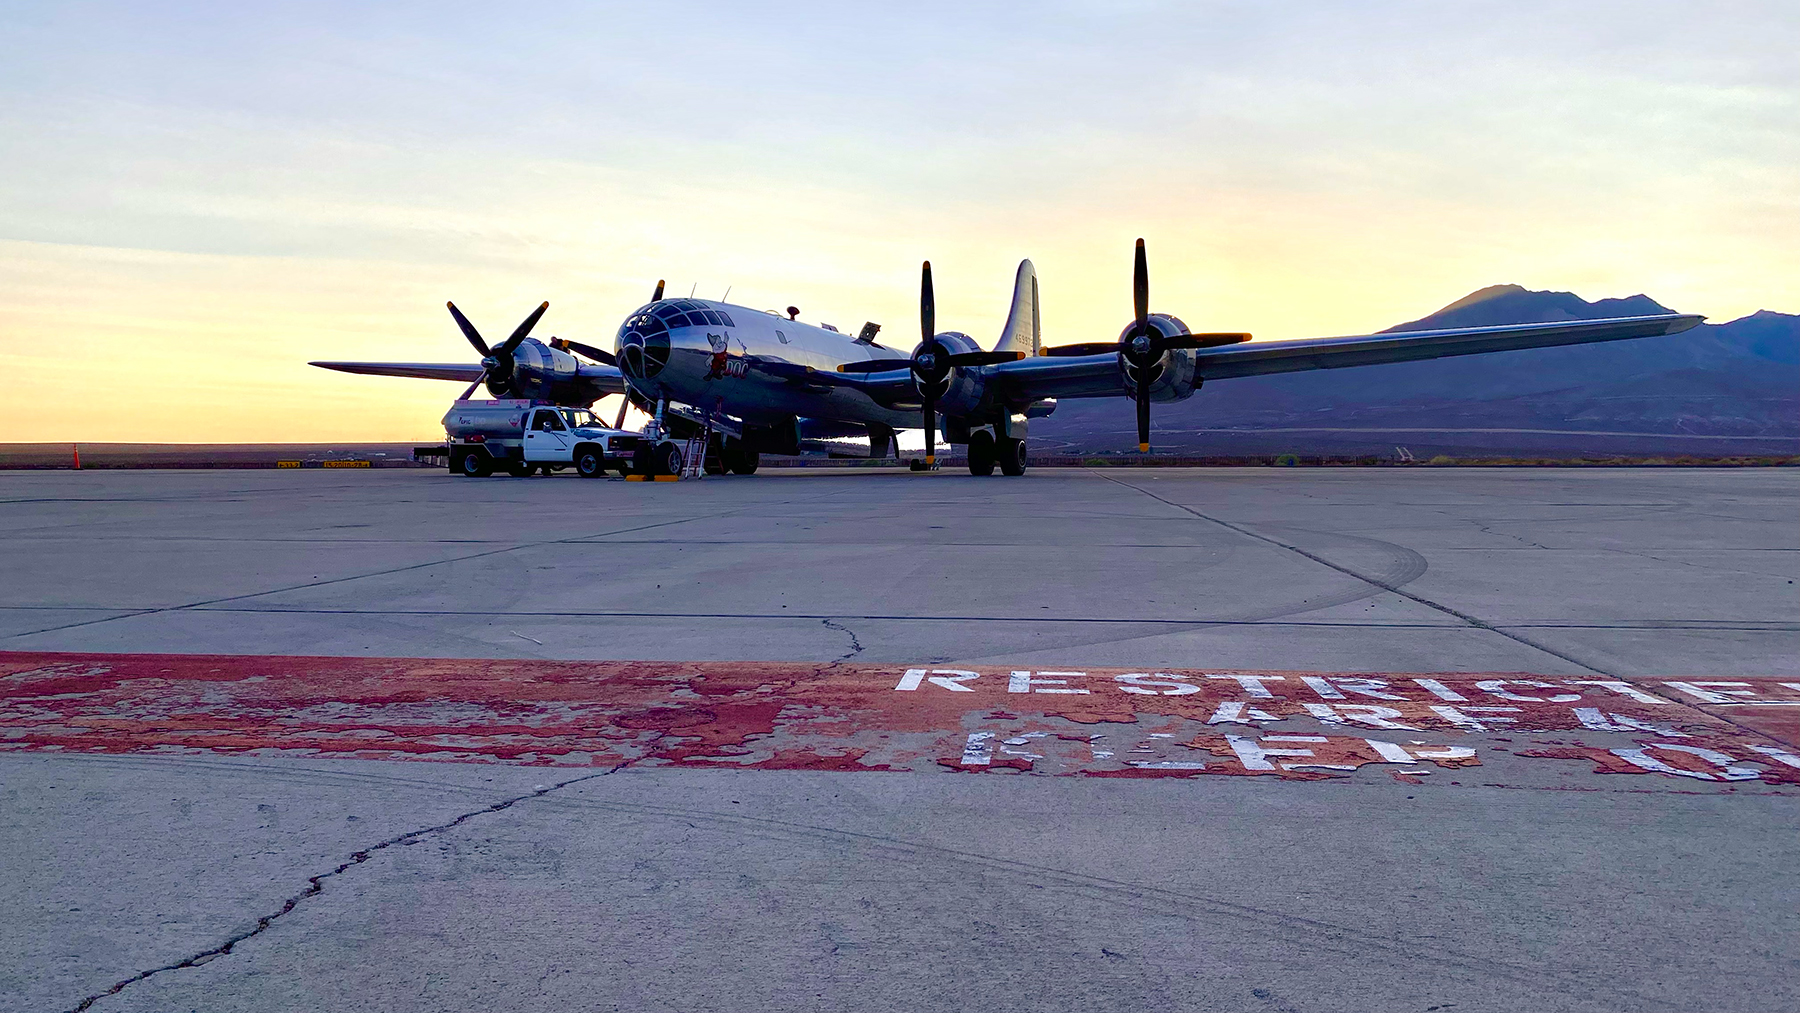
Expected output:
(541, 373)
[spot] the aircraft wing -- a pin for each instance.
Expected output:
(421, 370)
(1099, 375)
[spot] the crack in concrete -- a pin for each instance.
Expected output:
(856, 646)
(316, 885)
(1479, 624)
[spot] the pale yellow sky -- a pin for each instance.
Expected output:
(199, 201)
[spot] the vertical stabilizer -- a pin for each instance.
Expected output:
(1023, 333)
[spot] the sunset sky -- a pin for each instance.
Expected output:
(198, 198)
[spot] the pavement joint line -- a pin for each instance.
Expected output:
(382, 573)
(315, 885)
(1699, 625)
(1377, 582)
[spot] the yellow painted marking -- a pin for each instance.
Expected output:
(344, 464)
(287, 464)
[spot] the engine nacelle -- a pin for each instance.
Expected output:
(963, 390)
(1172, 377)
(542, 373)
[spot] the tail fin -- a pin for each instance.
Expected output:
(1023, 333)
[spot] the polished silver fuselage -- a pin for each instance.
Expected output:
(708, 366)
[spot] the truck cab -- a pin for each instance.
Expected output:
(523, 437)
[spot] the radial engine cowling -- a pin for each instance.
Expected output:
(539, 372)
(1172, 377)
(962, 390)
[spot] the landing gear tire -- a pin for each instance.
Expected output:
(662, 459)
(738, 458)
(520, 469)
(981, 453)
(589, 462)
(1012, 457)
(475, 464)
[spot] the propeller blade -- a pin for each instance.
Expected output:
(624, 403)
(1084, 348)
(471, 390)
(1204, 340)
(875, 365)
(927, 305)
(1143, 413)
(1140, 285)
(929, 410)
(983, 358)
(518, 334)
(596, 354)
(656, 296)
(469, 330)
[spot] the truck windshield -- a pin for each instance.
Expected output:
(581, 418)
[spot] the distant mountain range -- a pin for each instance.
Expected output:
(1730, 388)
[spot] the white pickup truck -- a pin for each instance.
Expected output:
(522, 437)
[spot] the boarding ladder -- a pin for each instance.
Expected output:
(693, 455)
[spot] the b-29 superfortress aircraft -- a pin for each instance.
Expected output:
(763, 382)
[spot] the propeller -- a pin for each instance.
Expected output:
(497, 362)
(657, 295)
(1143, 344)
(596, 354)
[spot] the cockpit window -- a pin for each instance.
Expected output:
(689, 313)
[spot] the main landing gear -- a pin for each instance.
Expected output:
(985, 452)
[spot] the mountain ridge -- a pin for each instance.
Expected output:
(1737, 381)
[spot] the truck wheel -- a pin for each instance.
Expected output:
(1012, 457)
(476, 464)
(520, 469)
(981, 453)
(589, 462)
(668, 459)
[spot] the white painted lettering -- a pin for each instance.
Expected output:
(1714, 692)
(1779, 754)
(1367, 713)
(1592, 717)
(1441, 691)
(979, 751)
(1234, 712)
(1622, 688)
(910, 681)
(1372, 688)
(1025, 682)
(1253, 684)
(1497, 687)
(1728, 769)
(1256, 757)
(1445, 753)
(1320, 686)
(952, 679)
(1138, 682)
(1462, 718)
(1389, 752)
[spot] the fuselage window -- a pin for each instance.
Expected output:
(713, 318)
(781, 337)
(725, 318)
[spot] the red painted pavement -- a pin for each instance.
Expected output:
(1094, 722)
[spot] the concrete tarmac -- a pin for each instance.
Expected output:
(232, 881)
